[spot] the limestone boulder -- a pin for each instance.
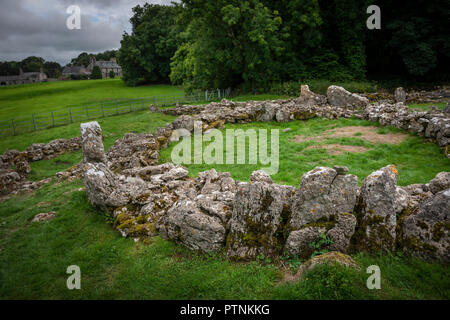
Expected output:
(258, 220)
(440, 182)
(103, 188)
(376, 210)
(186, 223)
(133, 151)
(339, 97)
(91, 142)
(425, 232)
(323, 205)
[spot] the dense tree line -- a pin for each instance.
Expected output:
(30, 64)
(254, 43)
(84, 58)
(146, 52)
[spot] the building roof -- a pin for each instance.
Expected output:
(75, 70)
(106, 64)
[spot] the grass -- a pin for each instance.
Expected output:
(24, 100)
(416, 160)
(34, 258)
(427, 106)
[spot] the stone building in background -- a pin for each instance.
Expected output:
(69, 71)
(23, 78)
(106, 67)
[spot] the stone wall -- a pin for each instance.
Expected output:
(15, 165)
(213, 212)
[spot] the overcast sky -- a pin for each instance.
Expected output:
(38, 27)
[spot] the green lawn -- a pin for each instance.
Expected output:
(416, 160)
(24, 100)
(427, 106)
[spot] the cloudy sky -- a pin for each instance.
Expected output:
(38, 27)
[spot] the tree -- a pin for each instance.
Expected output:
(96, 73)
(32, 64)
(145, 53)
(228, 43)
(112, 75)
(413, 41)
(52, 69)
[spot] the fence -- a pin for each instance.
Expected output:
(45, 120)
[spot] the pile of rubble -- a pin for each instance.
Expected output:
(213, 211)
(440, 94)
(15, 165)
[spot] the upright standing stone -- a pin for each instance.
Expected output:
(323, 204)
(91, 143)
(400, 95)
(258, 220)
(376, 211)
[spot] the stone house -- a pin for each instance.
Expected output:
(75, 70)
(106, 67)
(23, 78)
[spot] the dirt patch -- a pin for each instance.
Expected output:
(368, 134)
(337, 149)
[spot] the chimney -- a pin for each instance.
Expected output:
(113, 59)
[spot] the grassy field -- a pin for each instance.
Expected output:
(417, 161)
(427, 106)
(24, 100)
(34, 256)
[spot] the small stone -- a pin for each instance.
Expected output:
(341, 170)
(44, 216)
(286, 130)
(260, 176)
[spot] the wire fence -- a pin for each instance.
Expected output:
(51, 119)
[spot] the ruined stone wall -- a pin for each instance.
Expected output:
(213, 212)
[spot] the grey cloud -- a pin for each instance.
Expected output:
(38, 27)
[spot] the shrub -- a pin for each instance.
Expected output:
(96, 73)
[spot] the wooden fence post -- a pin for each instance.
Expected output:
(34, 123)
(103, 112)
(13, 127)
(70, 115)
(53, 120)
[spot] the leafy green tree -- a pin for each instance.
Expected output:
(32, 64)
(145, 53)
(413, 42)
(228, 43)
(96, 73)
(52, 69)
(112, 75)
(9, 68)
